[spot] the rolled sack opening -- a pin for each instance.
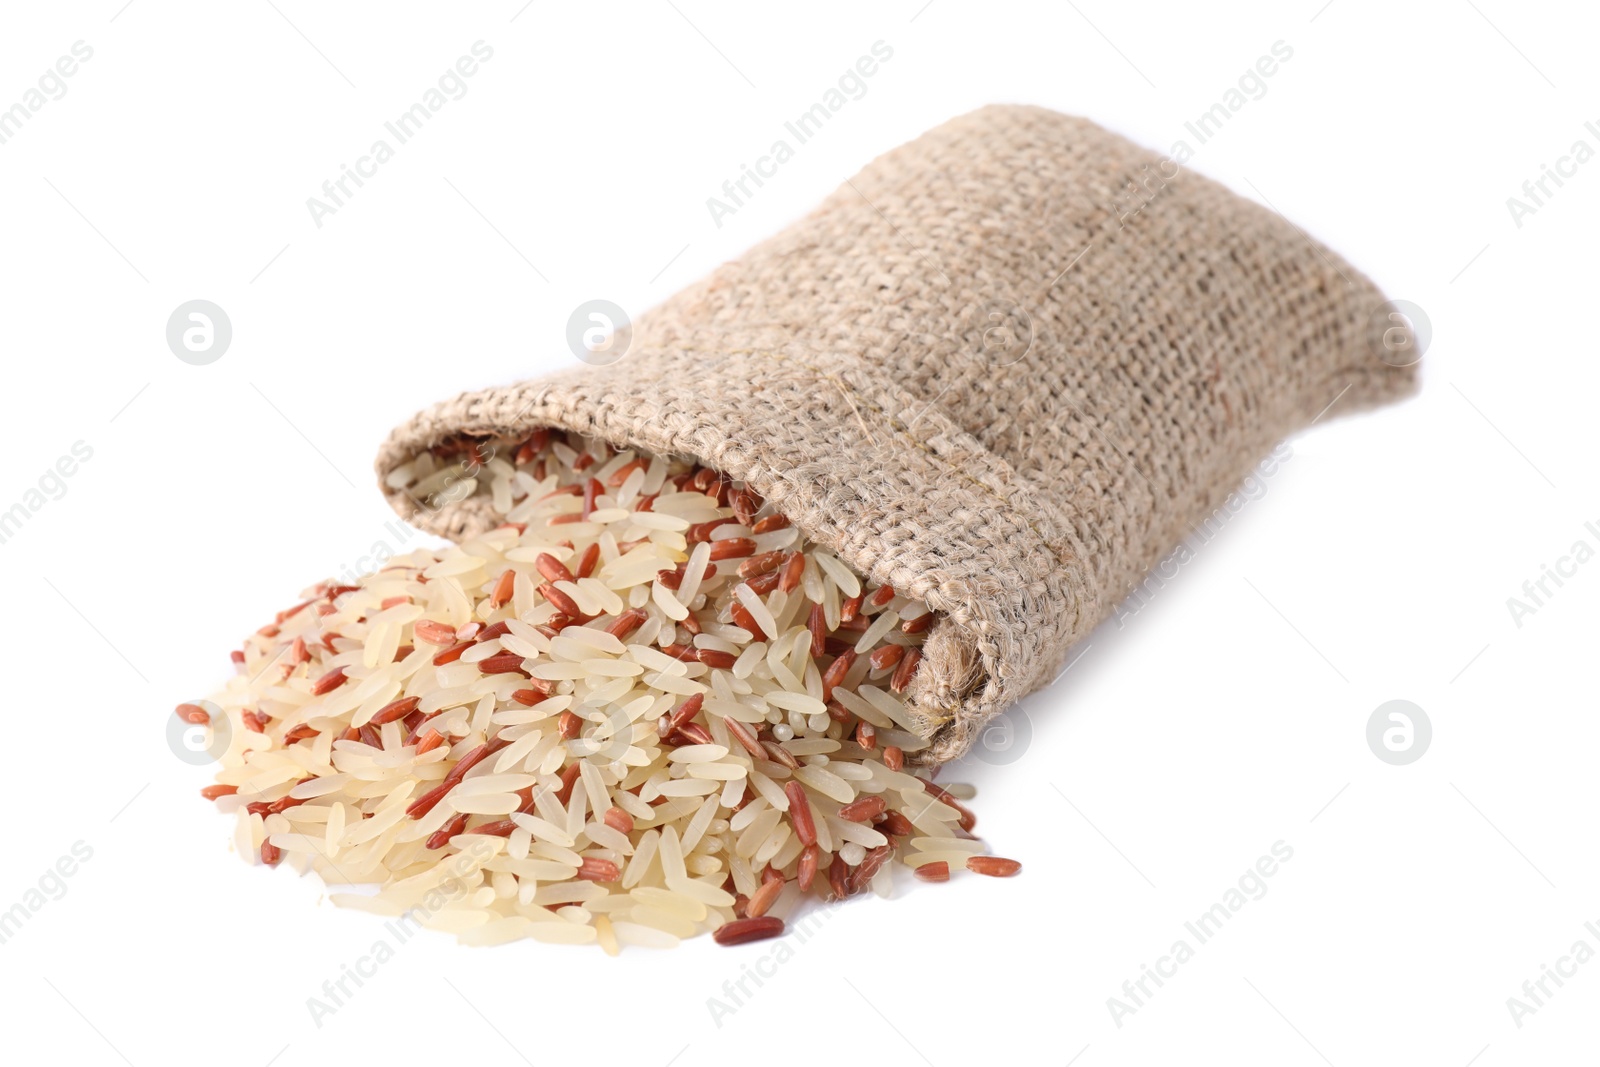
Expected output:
(951, 691)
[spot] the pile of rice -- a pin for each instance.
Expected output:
(645, 707)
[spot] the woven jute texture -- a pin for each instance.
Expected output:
(982, 372)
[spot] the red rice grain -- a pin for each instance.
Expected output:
(800, 813)
(746, 621)
(839, 877)
(763, 898)
(568, 778)
(816, 622)
(894, 824)
(907, 669)
(767, 561)
(502, 663)
(993, 866)
(741, 931)
(778, 754)
(552, 569)
(864, 809)
(620, 475)
(194, 714)
(692, 734)
(328, 682)
(745, 505)
(626, 623)
(887, 656)
(451, 654)
(862, 873)
(806, 873)
(763, 584)
(441, 837)
(562, 601)
(598, 870)
(851, 608)
(967, 821)
(742, 733)
(502, 589)
(732, 548)
(395, 710)
(834, 675)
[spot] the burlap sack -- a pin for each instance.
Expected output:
(988, 370)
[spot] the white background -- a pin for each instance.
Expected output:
(1228, 714)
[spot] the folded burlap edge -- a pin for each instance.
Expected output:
(918, 504)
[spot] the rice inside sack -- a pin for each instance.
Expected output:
(639, 708)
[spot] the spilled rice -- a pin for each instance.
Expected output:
(643, 708)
